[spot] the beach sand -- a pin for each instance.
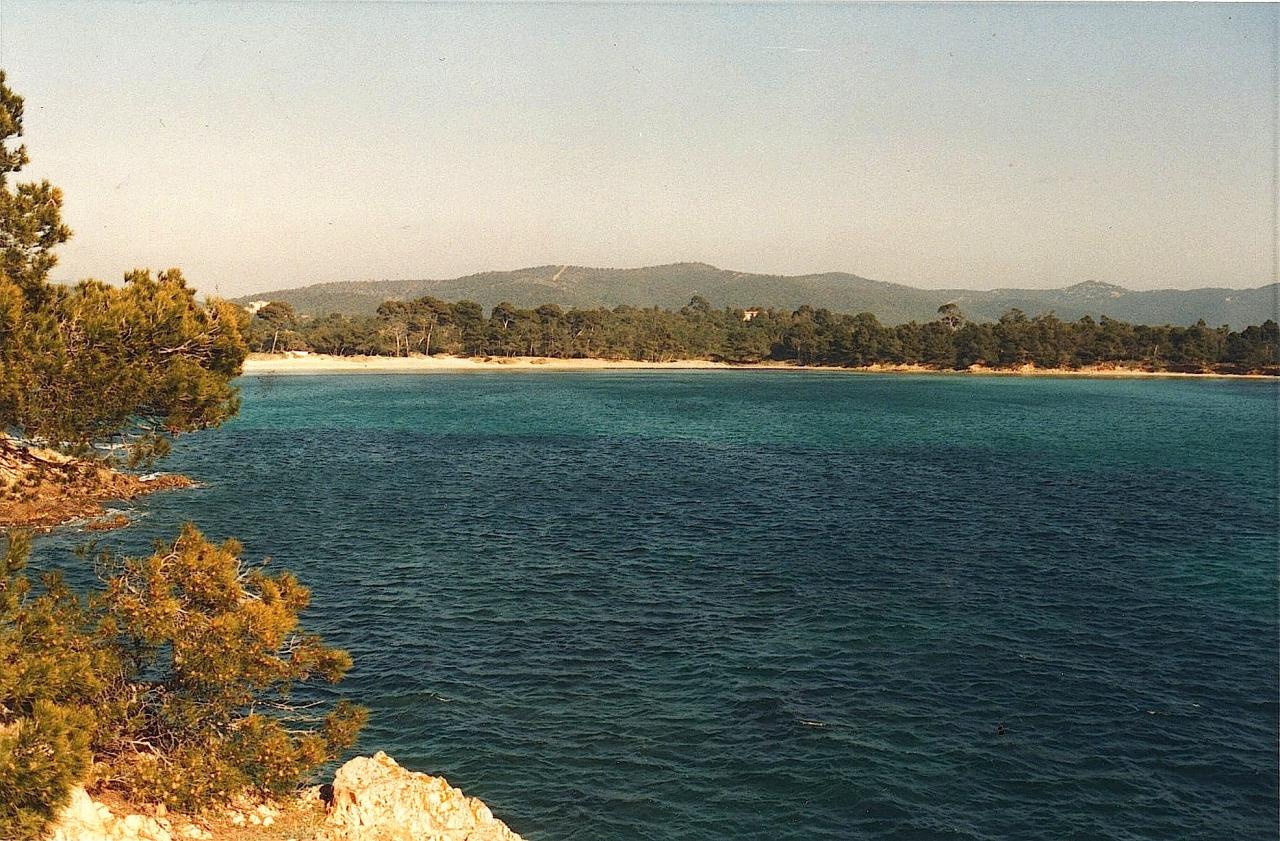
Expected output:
(318, 363)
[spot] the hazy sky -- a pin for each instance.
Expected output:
(264, 145)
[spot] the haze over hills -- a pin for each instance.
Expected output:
(671, 286)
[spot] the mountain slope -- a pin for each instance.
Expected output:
(672, 285)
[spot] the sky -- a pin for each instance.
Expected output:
(267, 145)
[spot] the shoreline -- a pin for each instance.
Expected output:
(45, 490)
(294, 364)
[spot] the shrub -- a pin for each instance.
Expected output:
(49, 674)
(42, 755)
(211, 651)
(175, 680)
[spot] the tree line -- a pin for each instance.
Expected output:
(805, 336)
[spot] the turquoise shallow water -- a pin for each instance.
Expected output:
(757, 605)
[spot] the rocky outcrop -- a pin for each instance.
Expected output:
(42, 488)
(374, 799)
(84, 819)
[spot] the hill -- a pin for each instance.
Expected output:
(671, 286)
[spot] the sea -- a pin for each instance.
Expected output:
(779, 605)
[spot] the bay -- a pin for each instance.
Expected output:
(780, 605)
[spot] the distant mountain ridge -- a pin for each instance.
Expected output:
(671, 286)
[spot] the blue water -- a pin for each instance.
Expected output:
(713, 605)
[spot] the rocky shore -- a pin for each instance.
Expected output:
(42, 488)
(371, 799)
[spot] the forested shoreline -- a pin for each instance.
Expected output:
(805, 336)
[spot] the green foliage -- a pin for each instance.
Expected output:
(220, 648)
(42, 755)
(96, 361)
(950, 315)
(90, 363)
(273, 319)
(50, 675)
(176, 680)
(30, 214)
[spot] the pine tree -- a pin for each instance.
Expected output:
(174, 681)
(209, 652)
(86, 364)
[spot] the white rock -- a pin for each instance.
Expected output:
(374, 799)
(85, 820)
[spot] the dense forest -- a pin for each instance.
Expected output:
(805, 336)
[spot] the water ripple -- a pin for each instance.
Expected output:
(692, 606)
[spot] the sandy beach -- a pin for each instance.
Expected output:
(317, 363)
